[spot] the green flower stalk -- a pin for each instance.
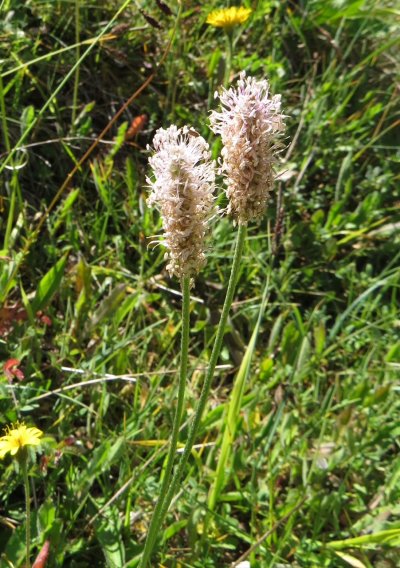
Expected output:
(250, 124)
(183, 191)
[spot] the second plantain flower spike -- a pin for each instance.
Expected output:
(249, 124)
(183, 192)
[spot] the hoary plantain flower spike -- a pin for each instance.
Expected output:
(249, 124)
(182, 190)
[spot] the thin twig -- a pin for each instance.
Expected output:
(131, 378)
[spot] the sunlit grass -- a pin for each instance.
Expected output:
(310, 474)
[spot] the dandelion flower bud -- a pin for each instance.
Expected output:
(182, 190)
(248, 123)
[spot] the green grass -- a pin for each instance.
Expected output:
(310, 477)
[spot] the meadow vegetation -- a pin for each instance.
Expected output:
(305, 401)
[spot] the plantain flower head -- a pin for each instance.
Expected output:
(17, 438)
(228, 18)
(249, 123)
(182, 190)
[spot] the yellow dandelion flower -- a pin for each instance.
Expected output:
(228, 18)
(17, 438)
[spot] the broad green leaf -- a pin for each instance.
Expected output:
(27, 117)
(173, 529)
(119, 141)
(66, 206)
(108, 532)
(46, 516)
(103, 457)
(108, 306)
(49, 285)
(319, 337)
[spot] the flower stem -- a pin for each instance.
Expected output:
(228, 60)
(203, 396)
(24, 466)
(78, 54)
(156, 520)
(234, 406)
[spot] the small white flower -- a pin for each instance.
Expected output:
(244, 564)
(249, 123)
(183, 192)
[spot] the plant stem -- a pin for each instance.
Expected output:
(155, 521)
(78, 55)
(7, 145)
(228, 60)
(24, 466)
(6, 138)
(231, 417)
(203, 396)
